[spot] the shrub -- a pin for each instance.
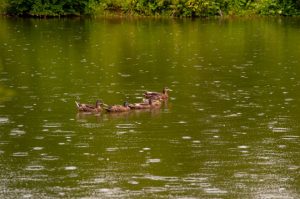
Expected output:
(178, 8)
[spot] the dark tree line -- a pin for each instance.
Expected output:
(179, 8)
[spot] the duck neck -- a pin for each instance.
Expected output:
(97, 104)
(150, 101)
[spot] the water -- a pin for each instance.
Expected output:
(229, 130)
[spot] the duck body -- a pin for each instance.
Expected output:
(156, 95)
(155, 103)
(150, 103)
(89, 107)
(118, 108)
(140, 106)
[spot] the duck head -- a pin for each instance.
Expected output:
(165, 90)
(99, 103)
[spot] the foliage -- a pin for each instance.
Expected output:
(48, 7)
(278, 7)
(3, 5)
(178, 8)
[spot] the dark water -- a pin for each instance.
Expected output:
(230, 129)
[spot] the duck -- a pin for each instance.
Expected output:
(156, 95)
(118, 108)
(146, 104)
(89, 107)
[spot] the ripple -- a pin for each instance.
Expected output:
(186, 137)
(125, 126)
(293, 167)
(155, 160)
(124, 75)
(82, 145)
(243, 147)
(70, 168)
(215, 191)
(50, 158)
(91, 125)
(133, 182)
(27, 196)
(17, 132)
(112, 149)
(20, 154)
(110, 192)
(52, 125)
(234, 115)
(289, 99)
(159, 178)
(290, 137)
(241, 175)
(34, 168)
(4, 120)
(121, 132)
(38, 148)
(194, 179)
(281, 130)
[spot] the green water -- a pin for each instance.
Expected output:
(229, 130)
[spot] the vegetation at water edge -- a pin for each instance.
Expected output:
(176, 8)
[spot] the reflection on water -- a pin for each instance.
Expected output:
(229, 130)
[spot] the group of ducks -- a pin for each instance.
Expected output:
(151, 100)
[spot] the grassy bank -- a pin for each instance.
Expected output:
(174, 8)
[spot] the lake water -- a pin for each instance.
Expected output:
(229, 130)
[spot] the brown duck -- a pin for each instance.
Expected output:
(150, 103)
(89, 107)
(118, 108)
(158, 96)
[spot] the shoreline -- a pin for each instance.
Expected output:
(132, 16)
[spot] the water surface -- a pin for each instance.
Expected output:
(229, 130)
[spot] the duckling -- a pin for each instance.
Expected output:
(118, 108)
(158, 96)
(89, 107)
